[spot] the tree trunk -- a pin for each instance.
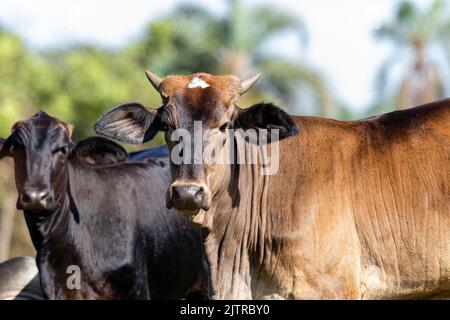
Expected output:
(422, 84)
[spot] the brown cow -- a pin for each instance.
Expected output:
(357, 209)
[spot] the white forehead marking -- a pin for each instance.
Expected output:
(198, 82)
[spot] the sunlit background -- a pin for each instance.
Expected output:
(344, 59)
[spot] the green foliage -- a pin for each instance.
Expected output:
(414, 31)
(15, 63)
(77, 84)
(191, 39)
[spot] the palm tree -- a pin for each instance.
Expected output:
(192, 39)
(415, 32)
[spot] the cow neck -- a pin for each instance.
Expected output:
(83, 230)
(78, 226)
(42, 225)
(237, 224)
(58, 227)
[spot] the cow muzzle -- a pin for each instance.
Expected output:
(188, 197)
(35, 200)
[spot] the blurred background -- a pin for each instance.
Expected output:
(344, 59)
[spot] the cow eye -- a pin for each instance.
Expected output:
(15, 146)
(61, 151)
(224, 126)
(164, 126)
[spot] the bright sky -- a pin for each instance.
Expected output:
(341, 42)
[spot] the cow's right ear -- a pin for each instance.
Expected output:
(99, 151)
(129, 122)
(2, 143)
(4, 148)
(266, 116)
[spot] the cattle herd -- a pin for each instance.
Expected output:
(348, 210)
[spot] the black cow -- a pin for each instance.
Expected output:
(157, 152)
(100, 230)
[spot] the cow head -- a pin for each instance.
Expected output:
(191, 103)
(41, 147)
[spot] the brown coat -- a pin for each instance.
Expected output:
(358, 210)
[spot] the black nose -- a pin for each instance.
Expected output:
(36, 199)
(188, 197)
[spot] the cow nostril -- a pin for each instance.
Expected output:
(200, 193)
(44, 195)
(175, 194)
(26, 198)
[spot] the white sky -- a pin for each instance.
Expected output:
(341, 42)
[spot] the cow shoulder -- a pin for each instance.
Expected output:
(99, 151)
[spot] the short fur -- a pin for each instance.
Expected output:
(357, 209)
(108, 220)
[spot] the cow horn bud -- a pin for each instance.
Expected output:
(249, 82)
(154, 79)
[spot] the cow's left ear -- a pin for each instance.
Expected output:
(2, 143)
(4, 150)
(99, 151)
(266, 116)
(129, 122)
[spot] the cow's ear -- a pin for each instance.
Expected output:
(99, 151)
(2, 143)
(129, 122)
(4, 149)
(266, 116)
